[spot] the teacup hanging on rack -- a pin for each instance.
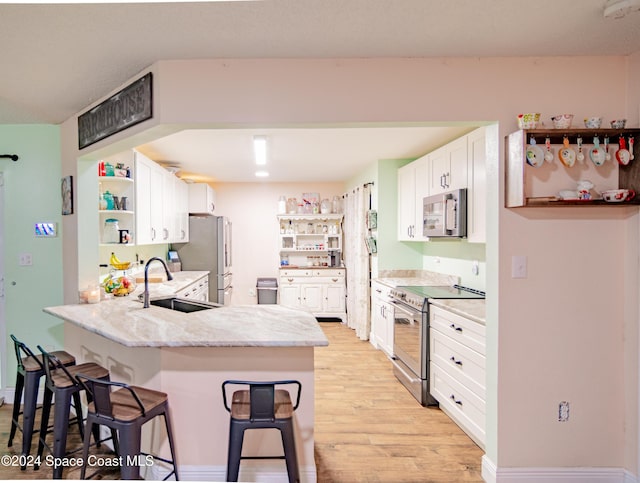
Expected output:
(567, 155)
(596, 153)
(535, 155)
(622, 155)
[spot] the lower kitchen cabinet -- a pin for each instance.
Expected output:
(458, 370)
(381, 318)
(319, 291)
(198, 290)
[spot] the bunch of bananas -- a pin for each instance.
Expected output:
(117, 263)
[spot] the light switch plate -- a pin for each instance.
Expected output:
(519, 266)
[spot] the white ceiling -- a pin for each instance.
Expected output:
(57, 59)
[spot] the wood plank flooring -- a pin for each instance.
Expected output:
(368, 427)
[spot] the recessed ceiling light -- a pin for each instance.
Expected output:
(260, 150)
(262, 174)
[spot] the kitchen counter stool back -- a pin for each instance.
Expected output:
(261, 406)
(61, 382)
(30, 371)
(125, 410)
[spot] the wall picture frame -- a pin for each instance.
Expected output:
(66, 190)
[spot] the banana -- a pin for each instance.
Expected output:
(114, 260)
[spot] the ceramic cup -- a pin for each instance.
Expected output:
(592, 122)
(618, 123)
(562, 121)
(618, 196)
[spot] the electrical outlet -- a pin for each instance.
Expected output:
(25, 259)
(563, 411)
(252, 292)
(475, 267)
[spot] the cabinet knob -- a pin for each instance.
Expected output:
(457, 401)
(457, 329)
(453, 359)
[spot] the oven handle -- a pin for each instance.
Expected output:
(406, 309)
(411, 379)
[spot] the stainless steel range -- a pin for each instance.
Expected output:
(411, 333)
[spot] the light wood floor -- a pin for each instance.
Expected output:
(368, 427)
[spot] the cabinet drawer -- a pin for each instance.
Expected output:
(329, 273)
(296, 273)
(461, 363)
(380, 290)
(465, 331)
(464, 407)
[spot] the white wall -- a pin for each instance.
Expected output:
(556, 335)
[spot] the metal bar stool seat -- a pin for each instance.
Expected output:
(125, 410)
(30, 369)
(261, 406)
(61, 382)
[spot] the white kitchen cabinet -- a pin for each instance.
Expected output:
(198, 290)
(149, 205)
(161, 204)
(413, 186)
(381, 318)
(448, 167)
(202, 199)
(477, 189)
(458, 370)
(169, 218)
(181, 190)
(319, 291)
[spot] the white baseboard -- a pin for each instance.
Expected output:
(262, 474)
(10, 392)
(493, 474)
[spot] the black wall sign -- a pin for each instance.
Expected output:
(124, 109)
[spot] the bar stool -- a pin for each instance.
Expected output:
(61, 381)
(125, 410)
(30, 370)
(261, 406)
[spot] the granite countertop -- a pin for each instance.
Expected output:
(473, 309)
(123, 320)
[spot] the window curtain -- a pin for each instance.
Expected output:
(356, 259)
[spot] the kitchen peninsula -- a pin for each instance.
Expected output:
(188, 356)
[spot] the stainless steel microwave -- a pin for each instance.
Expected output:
(445, 215)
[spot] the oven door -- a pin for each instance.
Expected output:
(409, 338)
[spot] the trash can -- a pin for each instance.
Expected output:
(267, 290)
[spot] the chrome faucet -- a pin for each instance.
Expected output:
(146, 278)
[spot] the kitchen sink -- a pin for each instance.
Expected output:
(183, 305)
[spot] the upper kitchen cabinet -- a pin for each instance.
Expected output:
(448, 167)
(202, 199)
(413, 186)
(477, 186)
(459, 164)
(161, 204)
(149, 207)
(544, 166)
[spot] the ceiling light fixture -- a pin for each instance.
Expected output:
(620, 8)
(260, 150)
(262, 174)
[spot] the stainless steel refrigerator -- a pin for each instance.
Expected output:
(209, 248)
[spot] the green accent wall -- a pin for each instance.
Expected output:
(31, 194)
